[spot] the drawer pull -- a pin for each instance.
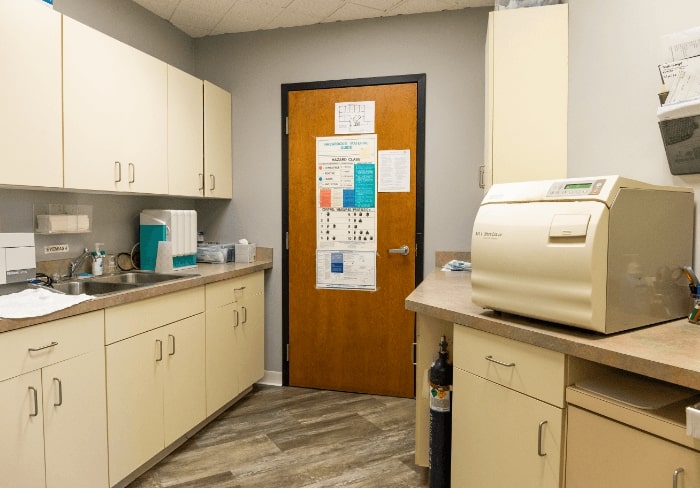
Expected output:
(47, 346)
(507, 365)
(539, 439)
(60, 393)
(245, 315)
(171, 341)
(677, 473)
(36, 402)
(235, 313)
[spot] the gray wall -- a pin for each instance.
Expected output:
(615, 49)
(447, 46)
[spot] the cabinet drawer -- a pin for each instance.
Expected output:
(231, 291)
(52, 342)
(532, 370)
(135, 318)
(602, 452)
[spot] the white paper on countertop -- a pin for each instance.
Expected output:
(36, 302)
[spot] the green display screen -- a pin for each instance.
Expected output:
(578, 186)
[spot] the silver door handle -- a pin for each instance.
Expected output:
(36, 402)
(540, 452)
(403, 250)
(676, 473)
(60, 392)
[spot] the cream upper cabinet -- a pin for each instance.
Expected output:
(526, 94)
(185, 134)
(30, 120)
(115, 114)
(218, 172)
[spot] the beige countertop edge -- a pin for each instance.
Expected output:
(203, 274)
(669, 351)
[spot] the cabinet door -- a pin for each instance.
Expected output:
(75, 422)
(115, 114)
(527, 97)
(222, 337)
(602, 452)
(134, 402)
(217, 142)
(22, 427)
(185, 134)
(252, 331)
(184, 376)
(498, 437)
(30, 121)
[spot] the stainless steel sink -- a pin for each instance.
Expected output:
(104, 285)
(91, 287)
(139, 278)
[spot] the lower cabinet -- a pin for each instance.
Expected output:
(502, 438)
(53, 416)
(155, 392)
(235, 320)
(603, 452)
(507, 414)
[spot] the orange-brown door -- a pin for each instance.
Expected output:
(349, 339)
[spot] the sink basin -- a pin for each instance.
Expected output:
(139, 278)
(91, 287)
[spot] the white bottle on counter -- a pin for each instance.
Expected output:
(97, 260)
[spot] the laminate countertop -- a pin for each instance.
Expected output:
(669, 351)
(201, 275)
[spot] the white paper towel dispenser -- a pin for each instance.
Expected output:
(602, 253)
(17, 257)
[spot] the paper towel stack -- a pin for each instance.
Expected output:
(48, 224)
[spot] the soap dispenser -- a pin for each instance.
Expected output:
(98, 260)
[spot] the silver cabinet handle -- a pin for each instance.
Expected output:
(212, 179)
(676, 474)
(171, 341)
(47, 346)
(117, 171)
(159, 350)
(539, 439)
(60, 393)
(201, 181)
(245, 315)
(132, 173)
(36, 402)
(507, 365)
(482, 176)
(403, 250)
(236, 322)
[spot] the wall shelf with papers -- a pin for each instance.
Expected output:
(62, 219)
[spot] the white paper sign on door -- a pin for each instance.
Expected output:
(354, 118)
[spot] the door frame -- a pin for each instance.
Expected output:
(420, 81)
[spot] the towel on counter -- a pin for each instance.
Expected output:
(36, 302)
(457, 265)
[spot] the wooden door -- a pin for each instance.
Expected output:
(343, 339)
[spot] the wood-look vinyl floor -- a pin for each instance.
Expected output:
(284, 437)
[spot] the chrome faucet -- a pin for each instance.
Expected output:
(78, 262)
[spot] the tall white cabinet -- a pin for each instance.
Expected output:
(115, 114)
(526, 95)
(30, 87)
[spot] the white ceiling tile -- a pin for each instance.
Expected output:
(200, 18)
(383, 5)
(162, 8)
(353, 11)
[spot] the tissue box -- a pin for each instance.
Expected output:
(245, 253)
(682, 143)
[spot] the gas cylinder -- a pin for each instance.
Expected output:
(440, 378)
